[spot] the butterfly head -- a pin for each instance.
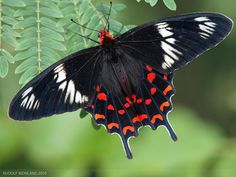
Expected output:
(105, 36)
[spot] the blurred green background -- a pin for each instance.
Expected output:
(204, 118)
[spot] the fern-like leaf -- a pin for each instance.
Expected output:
(7, 34)
(41, 38)
(170, 4)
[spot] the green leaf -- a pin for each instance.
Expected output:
(25, 54)
(47, 22)
(53, 44)
(9, 39)
(8, 56)
(50, 53)
(30, 21)
(28, 75)
(26, 43)
(170, 4)
(56, 13)
(14, 3)
(46, 32)
(3, 66)
(26, 65)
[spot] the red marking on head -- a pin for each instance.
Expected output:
(121, 111)
(127, 105)
(99, 116)
(151, 77)
(156, 116)
(139, 118)
(163, 105)
(104, 34)
(167, 89)
(149, 68)
(102, 96)
(111, 125)
(153, 90)
(148, 101)
(165, 77)
(110, 107)
(139, 100)
(126, 128)
(97, 88)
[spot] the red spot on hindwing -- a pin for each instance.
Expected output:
(139, 118)
(127, 105)
(148, 101)
(110, 107)
(151, 77)
(149, 68)
(121, 111)
(102, 96)
(139, 101)
(153, 90)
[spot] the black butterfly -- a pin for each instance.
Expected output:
(126, 81)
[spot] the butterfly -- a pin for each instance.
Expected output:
(125, 82)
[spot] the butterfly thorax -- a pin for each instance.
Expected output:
(106, 39)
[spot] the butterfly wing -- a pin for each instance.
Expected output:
(173, 42)
(136, 95)
(64, 86)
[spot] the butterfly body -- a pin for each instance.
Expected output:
(126, 82)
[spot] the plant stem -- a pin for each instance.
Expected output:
(38, 35)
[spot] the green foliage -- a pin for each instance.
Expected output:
(169, 3)
(37, 33)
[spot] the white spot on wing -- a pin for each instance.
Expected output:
(163, 29)
(169, 61)
(61, 76)
(30, 102)
(24, 102)
(171, 40)
(78, 98)
(211, 24)
(201, 19)
(206, 29)
(62, 86)
(70, 91)
(171, 51)
(27, 91)
(59, 68)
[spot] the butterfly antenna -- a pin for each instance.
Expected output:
(83, 26)
(86, 37)
(109, 14)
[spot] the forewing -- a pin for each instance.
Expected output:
(173, 42)
(65, 86)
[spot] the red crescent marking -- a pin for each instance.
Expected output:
(163, 105)
(126, 128)
(111, 125)
(157, 116)
(99, 116)
(167, 89)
